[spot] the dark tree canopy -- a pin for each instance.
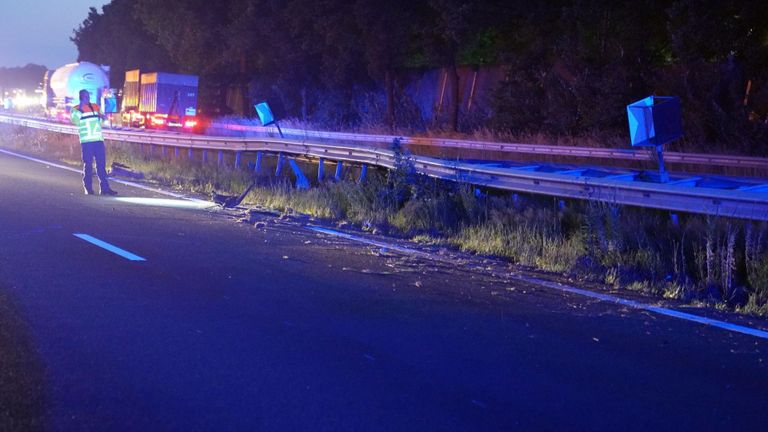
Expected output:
(572, 64)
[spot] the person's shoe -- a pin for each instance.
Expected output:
(88, 191)
(108, 192)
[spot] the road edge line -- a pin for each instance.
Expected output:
(608, 298)
(112, 179)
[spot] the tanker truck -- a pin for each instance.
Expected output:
(63, 85)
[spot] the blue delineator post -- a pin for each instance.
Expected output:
(257, 165)
(339, 167)
(653, 122)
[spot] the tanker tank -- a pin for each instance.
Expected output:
(67, 81)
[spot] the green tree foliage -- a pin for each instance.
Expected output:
(117, 38)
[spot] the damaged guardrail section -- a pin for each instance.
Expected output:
(751, 203)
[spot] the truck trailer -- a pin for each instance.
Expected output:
(160, 100)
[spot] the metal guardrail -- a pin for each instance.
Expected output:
(536, 149)
(745, 203)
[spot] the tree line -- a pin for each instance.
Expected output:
(26, 78)
(573, 65)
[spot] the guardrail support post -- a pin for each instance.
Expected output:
(363, 173)
(302, 182)
(320, 170)
(339, 167)
(257, 167)
(176, 151)
(205, 156)
(165, 151)
(190, 154)
(279, 168)
(238, 159)
(221, 158)
(663, 174)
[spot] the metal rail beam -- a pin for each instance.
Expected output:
(537, 149)
(745, 203)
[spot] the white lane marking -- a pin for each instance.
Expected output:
(573, 290)
(29, 158)
(123, 182)
(110, 247)
(370, 242)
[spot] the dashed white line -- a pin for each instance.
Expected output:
(110, 247)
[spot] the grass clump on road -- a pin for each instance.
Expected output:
(692, 258)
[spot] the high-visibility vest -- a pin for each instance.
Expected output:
(88, 123)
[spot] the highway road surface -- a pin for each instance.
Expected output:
(157, 314)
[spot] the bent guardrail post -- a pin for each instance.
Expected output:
(363, 173)
(339, 168)
(302, 182)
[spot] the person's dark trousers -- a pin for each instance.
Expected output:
(91, 151)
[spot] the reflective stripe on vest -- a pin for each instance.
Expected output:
(88, 125)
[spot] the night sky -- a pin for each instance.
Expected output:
(38, 31)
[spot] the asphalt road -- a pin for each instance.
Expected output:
(226, 326)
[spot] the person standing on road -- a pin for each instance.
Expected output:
(87, 117)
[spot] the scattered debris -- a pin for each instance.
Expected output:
(120, 170)
(231, 201)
